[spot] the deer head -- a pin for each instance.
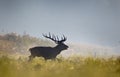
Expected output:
(60, 43)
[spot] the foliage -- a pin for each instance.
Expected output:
(71, 67)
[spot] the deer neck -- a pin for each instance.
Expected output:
(58, 48)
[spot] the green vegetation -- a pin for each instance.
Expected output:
(71, 67)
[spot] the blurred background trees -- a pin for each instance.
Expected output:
(14, 43)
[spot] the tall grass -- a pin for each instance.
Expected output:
(71, 67)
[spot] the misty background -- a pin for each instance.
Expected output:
(88, 24)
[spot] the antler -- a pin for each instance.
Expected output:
(63, 39)
(55, 38)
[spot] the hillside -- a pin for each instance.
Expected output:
(13, 43)
(90, 50)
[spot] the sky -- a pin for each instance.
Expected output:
(81, 21)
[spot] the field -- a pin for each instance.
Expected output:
(14, 64)
(70, 67)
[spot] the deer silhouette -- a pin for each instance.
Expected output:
(49, 52)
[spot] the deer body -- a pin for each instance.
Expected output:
(48, 52)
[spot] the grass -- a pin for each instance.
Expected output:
(71, 67)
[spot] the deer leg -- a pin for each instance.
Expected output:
(30, 57)
(59, 60)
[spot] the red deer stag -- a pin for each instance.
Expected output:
(49, 52)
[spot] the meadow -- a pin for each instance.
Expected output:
(70, 67)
